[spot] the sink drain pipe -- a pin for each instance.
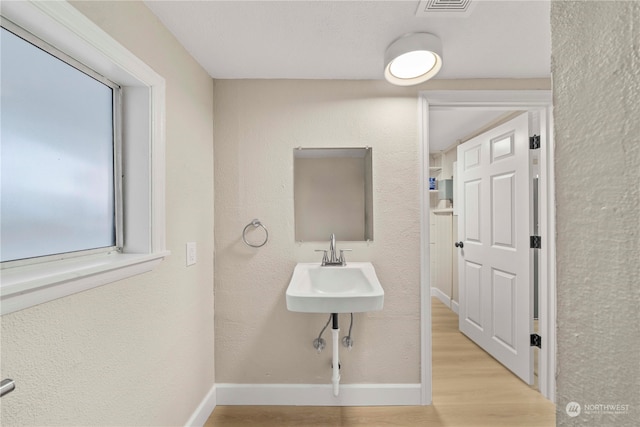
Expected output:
(335, 331)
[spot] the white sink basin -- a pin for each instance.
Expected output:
(351, 288)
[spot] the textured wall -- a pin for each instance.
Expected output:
(596, 82)
(140, 351)
(257, 126)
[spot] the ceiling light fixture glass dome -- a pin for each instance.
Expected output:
(412, 59)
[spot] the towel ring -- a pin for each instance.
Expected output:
(256, 223)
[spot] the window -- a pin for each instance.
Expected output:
(58, 142)
(141, 239)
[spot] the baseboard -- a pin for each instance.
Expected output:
(319, 394)
(454, 307)
(444, 298)
(204, 409)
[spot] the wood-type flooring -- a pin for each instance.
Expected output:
(470, 389)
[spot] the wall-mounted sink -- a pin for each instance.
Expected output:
(351, 288)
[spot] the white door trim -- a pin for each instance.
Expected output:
(531, 100)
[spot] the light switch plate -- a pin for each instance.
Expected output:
(192, 253)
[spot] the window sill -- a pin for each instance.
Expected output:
(26, 286)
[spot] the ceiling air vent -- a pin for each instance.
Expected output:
(444, 8)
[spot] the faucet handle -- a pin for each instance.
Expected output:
(325, 258)
(341, 259)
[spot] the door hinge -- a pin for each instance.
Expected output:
(534, 142)
(535, 242)
(535, 340)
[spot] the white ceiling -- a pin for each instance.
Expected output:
(347, 39)
(340, 39)
(448, 127)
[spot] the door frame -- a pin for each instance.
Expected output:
(530, 100)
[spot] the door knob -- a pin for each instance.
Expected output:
(459, 245)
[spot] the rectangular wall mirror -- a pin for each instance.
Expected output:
(333, 193)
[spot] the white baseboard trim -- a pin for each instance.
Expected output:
(319, 394)
(435, 292)
(454, 307)
(204, 409)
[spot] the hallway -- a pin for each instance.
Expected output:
(469, 389)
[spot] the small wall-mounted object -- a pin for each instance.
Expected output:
(256, 224)
(445, 189)
(7, 386)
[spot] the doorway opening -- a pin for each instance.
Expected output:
(450, 118)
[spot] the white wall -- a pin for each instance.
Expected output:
(139, 351)
(596, 84)
(258, 125)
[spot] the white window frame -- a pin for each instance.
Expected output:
(116, 108)
(143, 150)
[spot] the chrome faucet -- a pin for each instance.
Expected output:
(332, 258)
(332, 249)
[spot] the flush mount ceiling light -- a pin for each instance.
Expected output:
(413, 58)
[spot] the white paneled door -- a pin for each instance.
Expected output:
(494, 264)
